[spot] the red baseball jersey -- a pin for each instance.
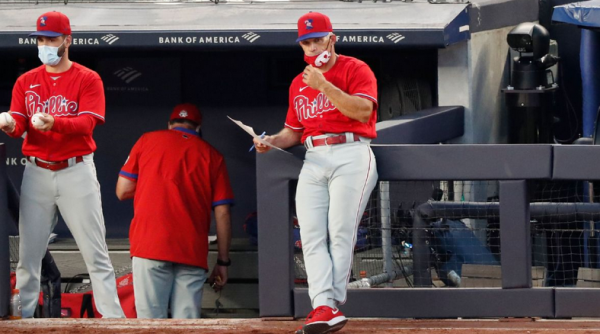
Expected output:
(311, 111)
(180, 178)
(74, 95)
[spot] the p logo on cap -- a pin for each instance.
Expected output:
(308, 24)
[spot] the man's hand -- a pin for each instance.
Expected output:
(260, 147)
(47, 122)
(314, 78)
(7, 122)
(218, 278)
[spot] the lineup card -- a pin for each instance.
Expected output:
(250, 131)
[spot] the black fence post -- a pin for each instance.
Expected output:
(274, 173)
(421, 253)
(515, 235)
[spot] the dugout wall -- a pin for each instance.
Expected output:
(234, 59)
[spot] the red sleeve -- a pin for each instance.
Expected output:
(291, 119)
(80, 125)
(222, 192)
(131, 168)
(91, 100)
(363, 83)
(18, 110)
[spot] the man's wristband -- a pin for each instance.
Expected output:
(223, 263)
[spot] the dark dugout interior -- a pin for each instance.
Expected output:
(142, 86)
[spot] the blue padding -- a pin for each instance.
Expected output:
(589, 60)
(586, 13)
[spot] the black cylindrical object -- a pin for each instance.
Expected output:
(527, 74)
(529, 96)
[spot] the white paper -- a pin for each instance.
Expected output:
(250, 131)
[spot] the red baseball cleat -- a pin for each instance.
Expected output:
(323, 319)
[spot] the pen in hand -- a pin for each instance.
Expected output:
(261, 137)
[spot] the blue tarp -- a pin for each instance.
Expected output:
(585, 14)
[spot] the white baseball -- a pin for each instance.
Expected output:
(5, 119)
(36, 120)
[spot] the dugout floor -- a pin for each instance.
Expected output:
(274, 326)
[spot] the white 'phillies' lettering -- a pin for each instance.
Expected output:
(54, 105)
(306, 109)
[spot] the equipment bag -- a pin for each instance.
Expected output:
(81, 305)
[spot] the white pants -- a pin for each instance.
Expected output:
(158, 284)
(333, 190)
(74, 191)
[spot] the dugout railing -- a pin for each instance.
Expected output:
(512, 165)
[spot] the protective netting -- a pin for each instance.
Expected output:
(464, 236)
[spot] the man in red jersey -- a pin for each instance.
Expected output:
(332, 111)
(175, 179)
(58, 105)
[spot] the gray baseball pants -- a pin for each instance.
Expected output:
(75, 192)
(333, 191)
(160, 284)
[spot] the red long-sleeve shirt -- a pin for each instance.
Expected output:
(75, 98)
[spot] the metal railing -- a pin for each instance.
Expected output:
(512, 165)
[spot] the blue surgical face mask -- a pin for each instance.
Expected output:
(49, 54)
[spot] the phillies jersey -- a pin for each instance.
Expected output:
(75, 93)
(311, 111)
(180, 178)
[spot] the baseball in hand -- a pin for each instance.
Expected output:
(36, 120)
(5, 119)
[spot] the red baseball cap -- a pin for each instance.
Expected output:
(187, 111)
(313, 25)
(52, 24)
